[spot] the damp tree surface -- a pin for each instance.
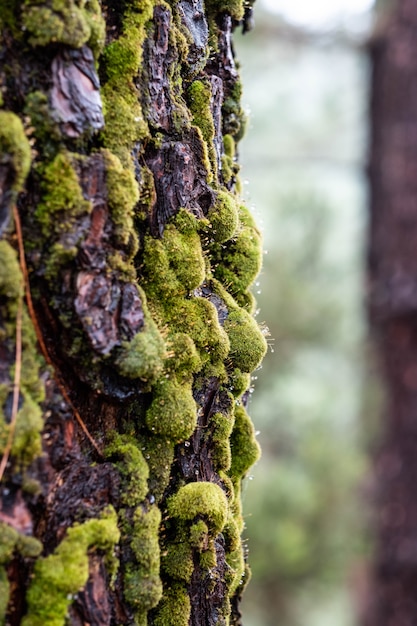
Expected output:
(393, 312)
(127, 335)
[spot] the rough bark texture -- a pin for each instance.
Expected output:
(126, 258)
(393, 308)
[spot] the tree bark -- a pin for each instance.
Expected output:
(393, 307)
(127, 335)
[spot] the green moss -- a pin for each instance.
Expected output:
(235, 8)
(62, 198)
(208, 559)
(183, 358)
(245, 449)
(203, 499)
(125, 454)
(234, 118)
(229, 146)
(199, 317)
(236, 562)
(199, 535)
(122, 196)
(177, 561)
(14, 148)
(199, 98)
(159, 454)
(12, 541)
(143, 356)
(173, 412)
(70, 22)
(62, 574)
(223, 217)
(11, 279)
(120, 62)
(184, 253)
(26, 440)
(238, 382)
(142, 584)
(46, 130)
(124, 121)
(237, 263)
(26, 443)
(221, 426)
(247, 343)
(9, 18)
(4, 594)
(97, 26)
(174, 608)
(229, 165)
(175, 264)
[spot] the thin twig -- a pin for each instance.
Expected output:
(38, 332)
(16, 388)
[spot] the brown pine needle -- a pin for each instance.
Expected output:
(38, 332)
(16, 388)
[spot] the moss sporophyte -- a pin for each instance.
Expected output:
(176, 300)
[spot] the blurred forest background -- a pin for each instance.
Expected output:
(305, 155)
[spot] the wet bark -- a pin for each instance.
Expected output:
(116, 177)
(393, 307)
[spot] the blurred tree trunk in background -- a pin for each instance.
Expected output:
(126, 329)
(393, 312)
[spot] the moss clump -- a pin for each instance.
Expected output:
(223, 217)
(122, 196)
(239, 382)
(70, 22)
(202, 499)
(183, 358)
(199, 535)
(177, 561)
(175, 264)
(14, 148)
(199, 99)
(11, 279)
(159, 454)
(143, 356)
(120, 63)
(174, 608)
(237, 263)
(234, 118)
(62, 198)
(173, 412)
(62, 574)
(222, 426)
(247, 343)
(133, 469)
(245, 449)
(235, 8)
(46, 130)
(142, 584)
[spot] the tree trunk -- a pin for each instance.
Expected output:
(393, 308)
(126, 327)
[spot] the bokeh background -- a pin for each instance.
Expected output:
(305, 76)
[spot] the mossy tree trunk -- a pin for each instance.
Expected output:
(126, 323)
(393, 307)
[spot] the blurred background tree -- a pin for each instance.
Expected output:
(305, 156)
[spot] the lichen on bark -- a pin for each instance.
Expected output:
(120, 157)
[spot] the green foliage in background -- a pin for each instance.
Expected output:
(304, 157)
